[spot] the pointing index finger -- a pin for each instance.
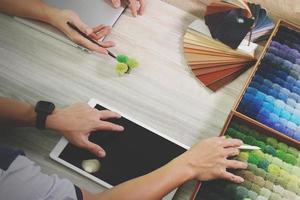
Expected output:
(107, 114)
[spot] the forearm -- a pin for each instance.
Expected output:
(154, 185)
(34, 9)
(16, 113)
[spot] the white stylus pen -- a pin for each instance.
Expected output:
(248, 147)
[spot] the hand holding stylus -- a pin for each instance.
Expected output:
(209, 159)
(86, 36)
(60, 19)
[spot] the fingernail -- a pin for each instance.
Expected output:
(241, 180)
(117, 4)
(245, 165)
(101, 153)
(121, 128)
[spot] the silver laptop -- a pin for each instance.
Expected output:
(91, 12)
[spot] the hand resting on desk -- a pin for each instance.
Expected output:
(38, 10)
(75, 122)
(78, 121)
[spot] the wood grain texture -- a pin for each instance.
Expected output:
(195, 7)
(162, 93)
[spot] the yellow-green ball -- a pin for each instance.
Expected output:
(274, 169)
(243, 156)
(132, 63)
(121, 68)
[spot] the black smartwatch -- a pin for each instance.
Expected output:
(43, 109)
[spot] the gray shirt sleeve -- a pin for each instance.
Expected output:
(23, 180)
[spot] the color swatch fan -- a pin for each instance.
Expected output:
(230, 21)
(214, 63)
(263, 24)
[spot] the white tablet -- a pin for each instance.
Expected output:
(136, 151)
(91, 12)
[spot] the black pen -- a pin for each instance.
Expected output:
(75, 28)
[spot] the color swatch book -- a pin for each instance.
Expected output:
(217, 49)
(266, 115)
(230, 21)
(273, 172)
(214, 63)
(273, 95)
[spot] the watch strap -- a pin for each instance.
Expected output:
(43, 109)
(41, 120)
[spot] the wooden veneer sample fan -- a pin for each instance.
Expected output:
(214, 63)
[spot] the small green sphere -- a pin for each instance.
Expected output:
(122, 58)
(270, 150)
(254, 159)
(231, 132)
(240, 136)
(264, 164)
(250, 140)
(260, 144)
(293, 150)
(280, 154)
(289, 158)
(272, 141)
(282, 146)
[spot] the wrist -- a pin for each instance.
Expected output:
(30, 117)
(50, 15)
(183, 168)
(51, 120)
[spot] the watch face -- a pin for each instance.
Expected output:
(45, 107)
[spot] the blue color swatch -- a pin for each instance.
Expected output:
(273, 96)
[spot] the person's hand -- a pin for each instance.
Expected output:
(59, 19)
(208, 159)
(78, 121)
(137, 6)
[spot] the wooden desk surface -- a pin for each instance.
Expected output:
(162, 93)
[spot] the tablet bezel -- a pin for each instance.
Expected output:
(57, 150)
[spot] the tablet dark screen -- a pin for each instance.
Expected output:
(134, 152)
